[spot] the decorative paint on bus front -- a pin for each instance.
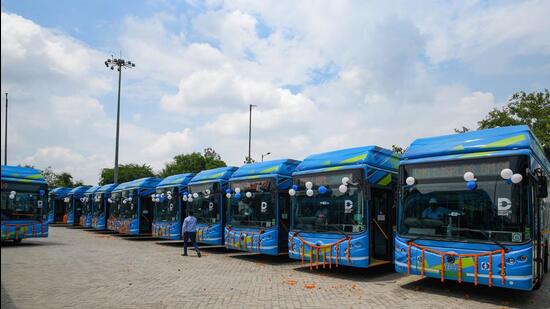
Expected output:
(259, 209)
(492, 176)
(24, 203)
(169, 207)
(206, 198)
(336, 184)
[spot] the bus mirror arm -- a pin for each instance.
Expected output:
(540, 181)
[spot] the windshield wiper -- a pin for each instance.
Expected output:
(341, 231)
(498, 243)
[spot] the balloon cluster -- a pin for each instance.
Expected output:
(12, 195)
(509, 175)
(188, 197)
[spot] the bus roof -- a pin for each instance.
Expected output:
(176, 180)
(147, 182)
(482, 143)
(334, 160)
(221, 173)
(22, 174)
(60, 192)
(79, 191)
(92, 190)
(283, 167)
(106, 188)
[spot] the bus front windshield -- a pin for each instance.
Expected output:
(166, 209)
(128, 204)
(98, 204)
(206, 203)
(22, 202)
(257, 210)
(334, 211)
(114, 208)
(440, 205)
(87, 204)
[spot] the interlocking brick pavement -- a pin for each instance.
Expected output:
(84, 269)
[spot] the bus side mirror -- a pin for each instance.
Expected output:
(542, 187)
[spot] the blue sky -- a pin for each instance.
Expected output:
(341, 74)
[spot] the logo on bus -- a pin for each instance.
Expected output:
(503, 206)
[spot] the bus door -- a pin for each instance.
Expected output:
(146, 214)
(380, 224)
(284, 220)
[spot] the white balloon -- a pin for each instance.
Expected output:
(309, 185)
(469, 176)
(195, 195)
(228, 195)
(12, 197)
(207, 191)
(292, 192)
(343, 188)
(190, 199)
(248, 194)
(237, 190)
(517, 178)
(410, 180)
(506, 173)
(169, 196)
(184, 198)
(345, 180)
(309, 192)
(13, 192)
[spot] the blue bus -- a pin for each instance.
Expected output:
(88, 206)
(75, 204)
(474, 207)
(259, 207)
(343, 208)
(169, 207)
(206, 198)
(102, 200)
(135, 206)
(24, 199)
(56, 204)
(115, 203)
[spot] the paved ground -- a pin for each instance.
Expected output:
(84, 269)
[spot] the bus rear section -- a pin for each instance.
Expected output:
(169, 206)
(136, 207)
(342, 208)
(24, 203)
(259, 207)
(473, 208)
(206, 200)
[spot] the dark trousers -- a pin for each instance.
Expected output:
(190, 236)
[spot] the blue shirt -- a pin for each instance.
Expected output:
(189, 225)
(436, 214)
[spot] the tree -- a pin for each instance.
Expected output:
(126, 172)
(192, 163)
(532, 109)
(62, 179)
(248, 160)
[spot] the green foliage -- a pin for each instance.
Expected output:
(532, 109)
(193, 163)
(248, 160)
(62, 179)
(126, 172)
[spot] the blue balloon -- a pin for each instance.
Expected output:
(42, 192)
(238, 195)
(509, 181)
(323, 189)
(295, 187)
(228, 191)
(471, 185)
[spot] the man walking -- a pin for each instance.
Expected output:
(189, 232)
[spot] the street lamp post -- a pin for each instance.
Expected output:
(249, 159)
(119, 64)
(265, 155)
(6, 133)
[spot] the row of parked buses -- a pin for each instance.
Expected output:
(469, 207)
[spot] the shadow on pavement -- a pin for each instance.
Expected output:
(262, 258)
(480, 293)
(7, 302)
(373, 274)
(30, 242)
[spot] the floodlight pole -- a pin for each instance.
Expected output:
(6, 133)
(249, 159)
